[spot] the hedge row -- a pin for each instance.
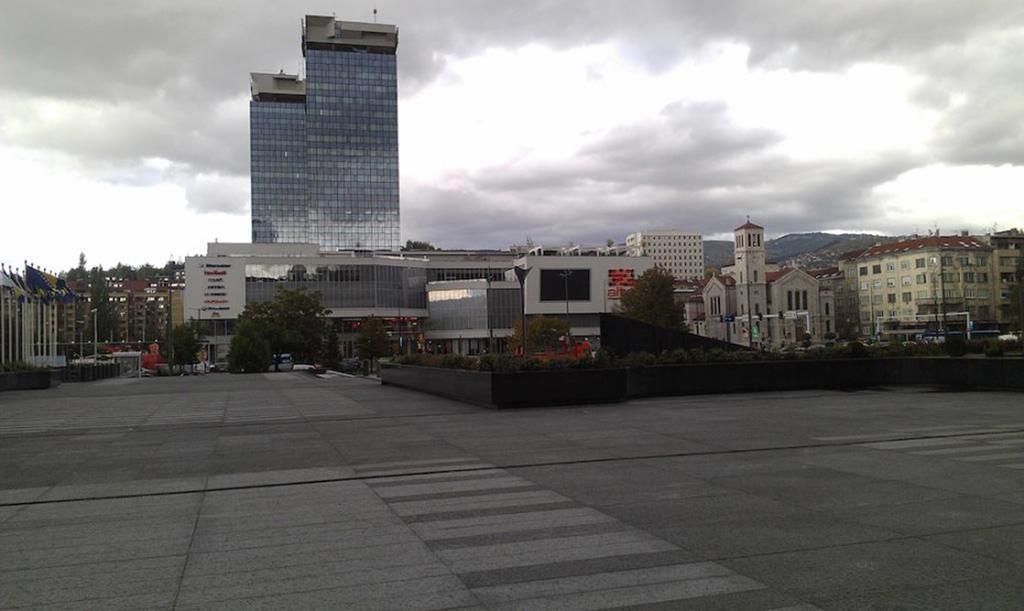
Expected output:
(606, 358)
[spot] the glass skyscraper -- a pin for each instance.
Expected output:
(325, 150)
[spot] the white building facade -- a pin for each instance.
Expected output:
(681, 253)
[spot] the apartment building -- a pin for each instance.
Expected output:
(923, 285)
(679, 252)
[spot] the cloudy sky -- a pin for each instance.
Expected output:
(124, 125)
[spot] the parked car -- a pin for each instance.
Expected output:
(351, 365)
(282, 362)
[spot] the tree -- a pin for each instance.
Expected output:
(99, 297)
(372, 341)
(80, 272)
(415, 245)
(186, 343)
(294, 321)
(250, 352)
(331, 356)
(651, 300)
(710, 272)
(543, 333)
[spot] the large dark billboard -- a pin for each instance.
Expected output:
(553, 284)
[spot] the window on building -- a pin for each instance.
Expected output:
(826, 308)
(876, 283)
(981, 260)
(863, 271)
(908, 297)
(890, 282)
(789, 300)
(805, 300)
(890, 298)
(919, 263)
(755, 275)
(947, 259)
(890, 266)
(905, 264)
(876, 269)
(922, 278)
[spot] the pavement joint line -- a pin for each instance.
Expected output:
(188, 551)
(221, 424)
(551, 463)
(920, 537)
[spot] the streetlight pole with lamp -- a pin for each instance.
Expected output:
(565, 274)
(95, 335)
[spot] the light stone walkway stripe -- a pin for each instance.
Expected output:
(558, 549)
(508, 523)
(915, 443)
(988, 457)
(477, 503)
(393, 492)
(514, 531)
(694, 572)
(639, 595)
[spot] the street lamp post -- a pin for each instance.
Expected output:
(565, 273)
(521, 274)
(95, 340)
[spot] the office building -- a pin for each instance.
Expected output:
(681, 253)
(325, 149)
(438, 301)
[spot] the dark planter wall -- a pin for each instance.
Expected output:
(569, 386)
(468, 386)
(25, 380)
(559, 387)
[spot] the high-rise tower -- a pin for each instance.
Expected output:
(329, 177)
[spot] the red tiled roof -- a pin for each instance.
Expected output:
(951, 241)
(773, 276)
(748, 225)
(853, 254)
(826, 273)
(727, 280)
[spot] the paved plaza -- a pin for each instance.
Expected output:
(295, 491)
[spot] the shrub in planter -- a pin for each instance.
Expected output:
(956, 347)
(993, 349)
(639, 359)
(856, 350)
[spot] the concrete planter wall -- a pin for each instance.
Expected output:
(574, 386)
(522, 389)
(25, 380)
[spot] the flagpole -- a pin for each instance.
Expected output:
(3, 318)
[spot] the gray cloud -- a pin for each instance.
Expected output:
(145, 79)
(690, 168)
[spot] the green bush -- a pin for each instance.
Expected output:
(956, 347)
(16, 366)
(993, 348)
(250, 351)
(856, 350)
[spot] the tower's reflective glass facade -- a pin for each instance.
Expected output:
(325, 151)
(278, 153)
(352, 149)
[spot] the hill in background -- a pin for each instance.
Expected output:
(803, 250)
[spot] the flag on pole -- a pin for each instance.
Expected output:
(41, 284)
(6, 282)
